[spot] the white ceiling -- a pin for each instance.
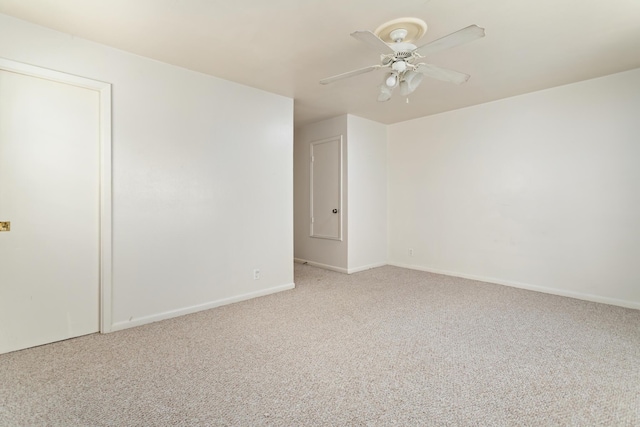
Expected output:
(287, 46)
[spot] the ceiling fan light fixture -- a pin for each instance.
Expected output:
(385, 93)
(399, 66)
(391, 80)
(410, 82)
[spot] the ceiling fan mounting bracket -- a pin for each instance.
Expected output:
(398, 35)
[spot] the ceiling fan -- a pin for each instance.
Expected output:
(401, 59)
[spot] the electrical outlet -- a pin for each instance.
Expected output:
(410, 252)
(256, 274)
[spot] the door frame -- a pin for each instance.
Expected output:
(105, 232)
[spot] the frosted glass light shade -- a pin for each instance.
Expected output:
(410, 82)
(391, 80)
(385, 93)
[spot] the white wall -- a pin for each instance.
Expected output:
(367, 171)
(540, 191)
(202, 177)
(327, 253)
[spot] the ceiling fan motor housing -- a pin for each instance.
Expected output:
(403, 50)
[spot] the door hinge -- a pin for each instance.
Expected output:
(312, 159)
(312, 219)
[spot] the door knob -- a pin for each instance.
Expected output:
(5, 225)
(335, 211)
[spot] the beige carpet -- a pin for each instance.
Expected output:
(387, 346)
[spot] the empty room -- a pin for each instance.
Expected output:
(319, 213)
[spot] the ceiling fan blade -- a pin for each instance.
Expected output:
(349, 74)
(374, 41)
(442, 73)
(465, 35)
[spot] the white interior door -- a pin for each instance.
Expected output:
(49, 191)
(326, 188)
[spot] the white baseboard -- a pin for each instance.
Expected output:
(365, 267)
(195, 308)
(543, 289)
(319, 264)
(338, 269)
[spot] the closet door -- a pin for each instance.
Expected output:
(326, 188)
